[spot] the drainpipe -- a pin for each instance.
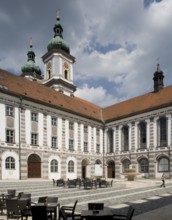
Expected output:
(19, 114)
(101, 114)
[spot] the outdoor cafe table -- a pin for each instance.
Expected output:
(51, 207)
(4, 196)
(97, 214)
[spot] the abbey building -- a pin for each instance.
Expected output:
(47, 132)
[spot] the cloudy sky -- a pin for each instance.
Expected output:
(117, 43)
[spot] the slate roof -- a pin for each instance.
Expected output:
(19, 86)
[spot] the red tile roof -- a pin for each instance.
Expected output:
(36, 92)
(20, 86)
(140, 104)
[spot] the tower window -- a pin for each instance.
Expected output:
(49, 74)
(66, 74)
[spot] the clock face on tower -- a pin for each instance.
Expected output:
(49, 66)
(66, 65)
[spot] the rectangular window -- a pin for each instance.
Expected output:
(85, 129)
(9, 111)
(54, 142)
(98, 132)
(34, 139)
(98, 148)
(71, 126)
(9, 136)
(54, 121)
(34, 116)
(85, 147)
(71, 145)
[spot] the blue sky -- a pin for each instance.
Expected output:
(116, 43)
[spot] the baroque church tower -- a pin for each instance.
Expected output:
(30, 70)
(58, 63)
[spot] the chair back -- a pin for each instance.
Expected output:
(62, 214)
(23, 204)
(74, 207)
(25, 195)
(19, 195)
(52, 199)
(95, 206)
(13, 210)
(42, 199)
(130, 213)
(12, 192)
(39, 212)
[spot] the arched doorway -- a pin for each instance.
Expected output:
(34, 166)
(111, 169)
(98, 169)
(84, 166)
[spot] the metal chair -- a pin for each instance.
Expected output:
(24, 208)
(2, 206)
(13, 210)
(12, 192)
(128, 216)
(42, 199)
(70, 210)
(62, 215)
(39, 212)
(51, 199)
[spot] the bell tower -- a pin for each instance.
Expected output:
(58, 63)
(158, 79)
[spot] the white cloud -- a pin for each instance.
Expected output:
(97, 95)
(141, 35)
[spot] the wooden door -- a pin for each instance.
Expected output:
(34, 166)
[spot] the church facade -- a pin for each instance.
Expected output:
(46, 132)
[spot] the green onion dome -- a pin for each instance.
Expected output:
(58, 42)
(30, 66)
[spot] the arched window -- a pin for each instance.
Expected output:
(142, 135)
(163, 164)
(126, 164)
(125, 138)
(10, 163)
(143, 166)
(54, 166)
(71, 166)
(98, 162)
(162, 132)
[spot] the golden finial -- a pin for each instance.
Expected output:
(58, 14)
(30, 43)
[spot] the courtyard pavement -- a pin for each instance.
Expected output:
(146, 210)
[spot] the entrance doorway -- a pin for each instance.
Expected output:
(111, 169)
(85, 170)
(34, 166)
